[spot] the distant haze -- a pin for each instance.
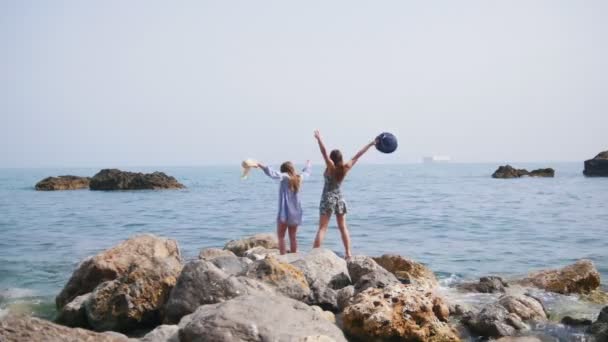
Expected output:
(128, 83)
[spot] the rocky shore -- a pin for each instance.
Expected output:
(143, 290)
(111, 179)
(507, 171)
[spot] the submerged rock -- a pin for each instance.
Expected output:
(398, 312)
(258, 318)
(407, 271)
(239, 247)
(366, 273)
(575, 321)
(598, 166)
(63, 183)
(200, 283)
(508, 171)
(580, 277)
(114, 179)
(286, 278)
(506, 317)
(490, 284)
(26, 328)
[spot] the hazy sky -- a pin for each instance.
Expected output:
(128, 83)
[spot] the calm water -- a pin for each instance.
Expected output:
(455, 218)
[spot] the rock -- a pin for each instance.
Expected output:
(506, 317)
(114, 179)
(325, 273)
(137, 252)
(212, 253)
(259, 253)
(507, 171)
(407, 271)
(63, 183)
(398, 312)
(519, 339)
(328, 315)
(597, 296)
(598, 166)
(318, 338)
(200, 283)
(14, 328)
(580, 277)
(258, 318)
(74, 314)
(286, 278)
(491, 284)
(599, 328)
(366, 273)
(345, 296)
(162, 333)
(231, 264)
(239, 247)
(575, 321)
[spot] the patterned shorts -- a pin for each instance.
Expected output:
(332, 203)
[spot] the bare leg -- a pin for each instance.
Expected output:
(293, 243)
(323, 223)
(341, 219)
(281, 230)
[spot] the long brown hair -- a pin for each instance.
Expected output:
(339, 168)
(294, 178)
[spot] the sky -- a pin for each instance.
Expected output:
(175, 83)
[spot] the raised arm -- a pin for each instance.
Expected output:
(361, 152)
(328, 162)
(270, 172)
(306, 170)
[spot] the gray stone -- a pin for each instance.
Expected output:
(286, 278)
(162, 333)
(231, 264)
(257, 318)
(598, 166)
(345, 296)
(74, 314)
(201, 282)
(491, 284)
(599, 328)
(366, 273)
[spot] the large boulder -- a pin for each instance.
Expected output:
(398, 312)
(15, 328)
(598, 166)
(265, 240)
(506, 317)
(599, 328)
(326, 273)
(490, 284)
(63, 183)
(507, 171)
(258, 318)
(114, 179)
(407, 271)
(138, 251)
(365, 273)
(200, 283)
(162, 333)
(580, 277)
(286, 278)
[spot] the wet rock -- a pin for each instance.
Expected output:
(366, 273)
(201, 282)
(580, 277)
(14, 328)
(597, 296)
(575, 321)
(259, 253)
(239, 247)
(598, 166)
(407, 271)
(325, 273)
(141, 251)
(162, 333)
(212, 253)
(232, 265)
(507, 171)
(398, 312)
(258, 318)
(74, 314)
(345, 296)
(599, 328)
(114, 179)
(507, 316)
(491, 284)
(286, 278)
(63, 183)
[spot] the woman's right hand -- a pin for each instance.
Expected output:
(317, 135)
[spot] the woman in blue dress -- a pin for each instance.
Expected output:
(332, 200)
(289, 215)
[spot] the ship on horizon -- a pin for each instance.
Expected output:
(436, 159)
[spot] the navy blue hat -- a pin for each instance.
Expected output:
(386, 143)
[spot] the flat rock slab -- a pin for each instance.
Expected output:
(63, 183)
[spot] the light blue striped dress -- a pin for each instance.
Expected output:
(290, 208)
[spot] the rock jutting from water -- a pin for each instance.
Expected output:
(114, 179)
(507, 171)
(63, 183)
(598, 166)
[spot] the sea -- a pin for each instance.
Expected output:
(453, 217)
